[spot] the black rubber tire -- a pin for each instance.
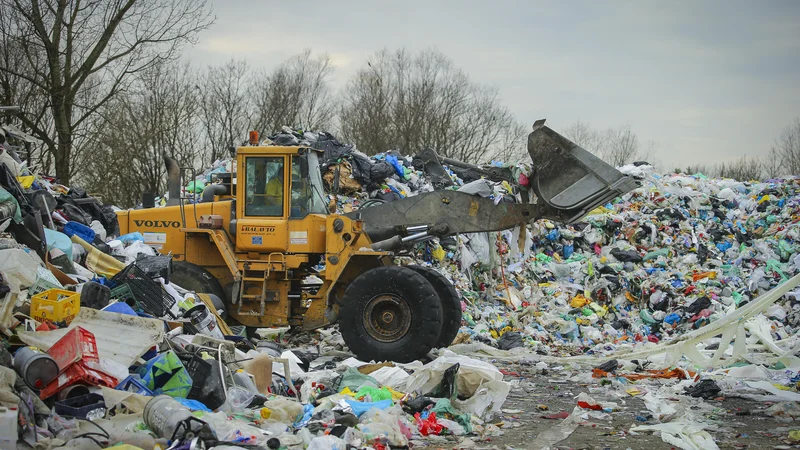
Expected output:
(250, 333)
(451, 304)
(419, 296)
(194, 278)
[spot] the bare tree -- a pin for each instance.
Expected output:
(771, 165)
(743, 169)
(91, 49)
(621, 146)
(787, 148)
(584, 135)
(34, 102)
(617, 146)
(513, 146)
(225, 106)
(297, 93)
(156, 116)
(410, 101)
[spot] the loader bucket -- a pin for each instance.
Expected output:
(570, 179)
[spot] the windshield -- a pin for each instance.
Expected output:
(264, 186)
(307, 193)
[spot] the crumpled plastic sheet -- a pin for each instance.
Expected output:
(553, 435)
(683, 433)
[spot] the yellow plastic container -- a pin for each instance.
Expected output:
(55, 305)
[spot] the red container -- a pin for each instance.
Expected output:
(77, 373)
(77, 345)
(77, 359)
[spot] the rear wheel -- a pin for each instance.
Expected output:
(194, 278)
(390, 313)
(451, 304)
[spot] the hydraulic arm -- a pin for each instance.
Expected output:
(567, 181)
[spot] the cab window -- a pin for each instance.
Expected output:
(264, 191)
(307, 190)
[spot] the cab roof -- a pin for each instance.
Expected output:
(273, 150)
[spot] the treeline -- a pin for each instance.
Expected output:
(398, 100)
(782, 159)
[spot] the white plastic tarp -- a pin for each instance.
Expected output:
(120, 337)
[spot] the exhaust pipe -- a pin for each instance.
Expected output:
(173, 181)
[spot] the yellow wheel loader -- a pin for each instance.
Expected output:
(257, 238)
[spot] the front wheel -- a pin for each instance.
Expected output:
(451, 304)
(390, 313)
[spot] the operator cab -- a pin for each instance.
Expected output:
(266, 179)
(279, 187)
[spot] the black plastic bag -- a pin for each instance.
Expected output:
(621, 324)
(380, 171)
(609, 366)
(76, 214)
(447, 388)
(332, 148)
(704, 389)
(418, 404)
(697, 306)
(509, 340)
(626, 256)
(362, 168)
(108, 219)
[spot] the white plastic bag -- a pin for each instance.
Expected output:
(328, 442)
(19, 264)
(471, 374)
(490, 396)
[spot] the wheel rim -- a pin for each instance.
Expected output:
(387, 317)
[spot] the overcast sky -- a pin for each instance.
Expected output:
(706, 81)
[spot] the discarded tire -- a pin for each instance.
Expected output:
(390, 313)
(451, 304)
(194, 278)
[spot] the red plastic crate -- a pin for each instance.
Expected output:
(77, 373)
(78, 344)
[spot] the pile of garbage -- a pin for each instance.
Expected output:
(101, 348)
(107, 349)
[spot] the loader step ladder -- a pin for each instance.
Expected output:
(258, 278)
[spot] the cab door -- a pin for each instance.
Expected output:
(263, 208)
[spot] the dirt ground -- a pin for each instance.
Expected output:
(740, 423)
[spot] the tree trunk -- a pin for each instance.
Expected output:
(63, 149)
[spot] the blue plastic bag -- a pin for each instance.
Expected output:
(360, 408)
(79, 229)
(398, 167)
(135, 236)
(672, 318)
